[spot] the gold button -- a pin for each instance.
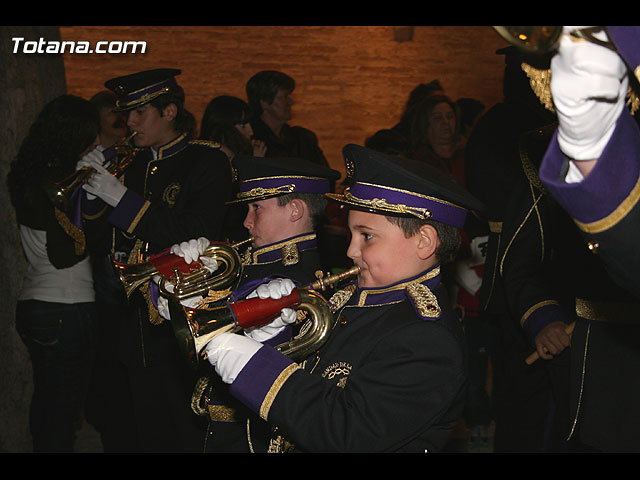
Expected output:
(593, 247)
(154, 170)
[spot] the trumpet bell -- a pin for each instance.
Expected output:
(537, 40)
(187, 280)
(195, 328)
(120, 157)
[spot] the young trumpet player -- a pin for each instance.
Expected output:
(285, 205)
(175, 188)
(391, 377)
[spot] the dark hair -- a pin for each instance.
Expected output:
(416, 97)
(184, 122)
(449, 236)
(420, 122)
(469, 109)
(316, 203)
(264, 86)
(104, 99)
(220, 117)
(62, 131)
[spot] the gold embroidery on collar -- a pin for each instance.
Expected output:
(341, 297)
(427, 276)
(278, 246)
(169, 145)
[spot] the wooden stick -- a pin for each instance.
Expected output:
(534, 356)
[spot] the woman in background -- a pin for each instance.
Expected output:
(55, 309)
(226, 121)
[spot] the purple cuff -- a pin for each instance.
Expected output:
(609, 183)
(129, 210)
(259, 376)
(540, 318)
(90, 208)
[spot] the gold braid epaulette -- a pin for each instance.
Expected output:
(70, 229)
(540, 81)
(424, 300)
(134, 257)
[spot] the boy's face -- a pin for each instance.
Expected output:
(267, 222)
(381, 250)
(154, 130)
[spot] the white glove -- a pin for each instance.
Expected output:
(229, 353)
(275, 289)
(94, 157)
(589, 85)
(192, 249)
(104, 185)
(163, 303)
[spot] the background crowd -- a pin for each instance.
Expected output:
(521, 257)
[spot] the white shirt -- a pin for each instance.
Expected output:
(45, 282)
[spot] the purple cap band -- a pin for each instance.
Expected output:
(401, 201)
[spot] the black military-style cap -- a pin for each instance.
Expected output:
(139, 88)
(265, 177)
(393, 185)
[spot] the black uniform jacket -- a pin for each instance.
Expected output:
(294, 258)
(294, 141)
(550, 275)
(390, 378)
(177, 196)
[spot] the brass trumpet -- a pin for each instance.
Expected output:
(539, 40)
(120, 156)
(195, 328)
(188, 279)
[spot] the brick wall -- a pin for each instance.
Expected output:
(350, 80)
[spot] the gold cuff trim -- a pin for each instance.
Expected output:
(427, 276)
(529, 312)
(614, 217)
(136, 220)
(275, 388)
